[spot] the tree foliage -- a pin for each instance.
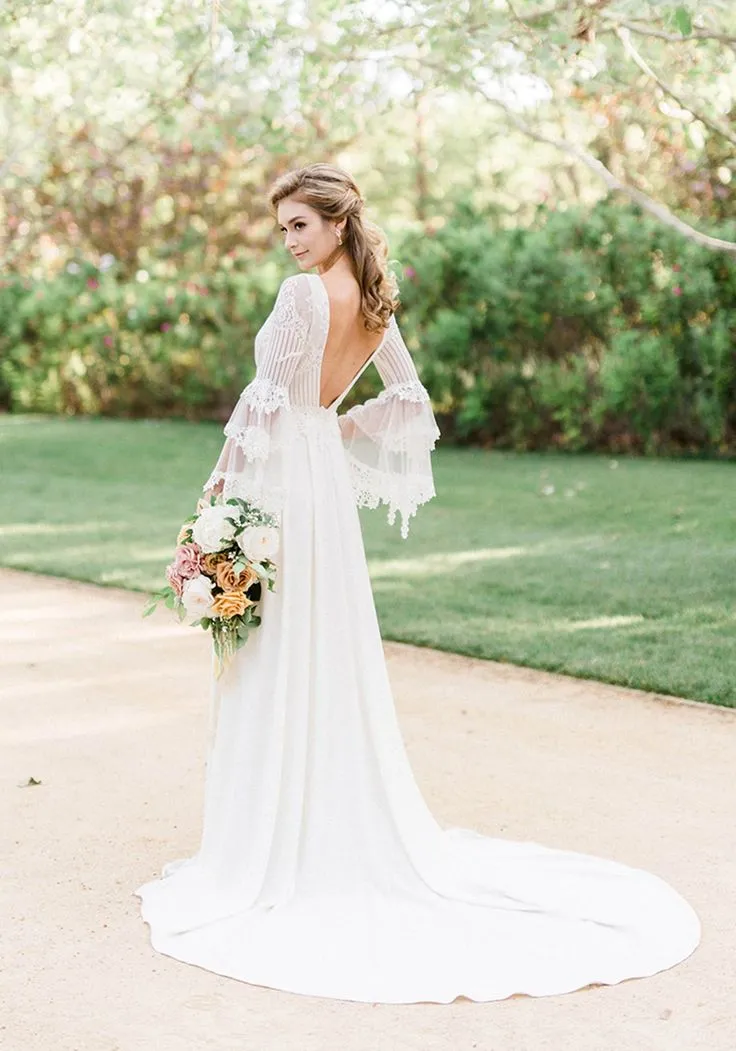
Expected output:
(143, 130)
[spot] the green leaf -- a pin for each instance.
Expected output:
(683, 21)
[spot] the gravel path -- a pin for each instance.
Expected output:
(110, 712)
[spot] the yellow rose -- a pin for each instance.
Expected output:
(230, 603)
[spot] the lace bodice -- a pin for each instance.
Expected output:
(387, 440)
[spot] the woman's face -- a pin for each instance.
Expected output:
(308, 236)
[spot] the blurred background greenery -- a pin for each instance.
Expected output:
(138, 256)
(556, 181)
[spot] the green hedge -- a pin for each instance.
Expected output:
(597, 330)
(85, 343)
(590, 330)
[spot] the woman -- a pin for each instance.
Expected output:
(321, 869)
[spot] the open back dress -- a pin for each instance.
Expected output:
(321, 869)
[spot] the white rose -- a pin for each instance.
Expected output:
(259, 542)
(197, 596)
(211, 530)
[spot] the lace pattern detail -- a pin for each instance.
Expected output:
(285, 313)
(263, 395)
(303, 421)
(254, 441)
(409, 390)
(316, 423)
(401, 493)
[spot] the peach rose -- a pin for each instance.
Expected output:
(230, 603)
(227, 580)
(247, 577)
(210, 562)
(225, 576)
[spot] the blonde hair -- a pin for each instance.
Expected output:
(332, 193)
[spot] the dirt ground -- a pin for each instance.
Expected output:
(110, 711)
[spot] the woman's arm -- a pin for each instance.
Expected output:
(250, 462)
(389, 439)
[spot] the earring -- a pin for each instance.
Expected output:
(339, 238)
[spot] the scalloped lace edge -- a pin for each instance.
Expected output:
(401, 493)
(254, 441)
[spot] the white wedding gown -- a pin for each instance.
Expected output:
(321, 870)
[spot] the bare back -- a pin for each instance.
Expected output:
(349, 344)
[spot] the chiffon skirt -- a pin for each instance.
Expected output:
(321, 869)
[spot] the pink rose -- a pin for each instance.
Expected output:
(174, 579)
(188, 560)
(677, 291)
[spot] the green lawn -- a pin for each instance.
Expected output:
(624, 573)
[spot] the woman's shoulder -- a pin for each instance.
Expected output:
(295, 284)
(295, 293)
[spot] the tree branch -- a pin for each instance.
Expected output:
(662, 34)
(655, 208)
(720, 129)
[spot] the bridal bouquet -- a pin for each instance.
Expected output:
(224, 555)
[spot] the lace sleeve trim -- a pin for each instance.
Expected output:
(401, 493)
(409, 390)
(254, 441)
(263, 395)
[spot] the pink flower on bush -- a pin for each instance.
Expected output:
(677, 291)
(188, 560)
(166, 326)
(174, 579)
(410, 272)
(676, 266)
(92, 282)
(108, 341)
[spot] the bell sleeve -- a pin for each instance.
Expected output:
(388, 440)
(252, 461)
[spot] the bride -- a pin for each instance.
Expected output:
(321, 869)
